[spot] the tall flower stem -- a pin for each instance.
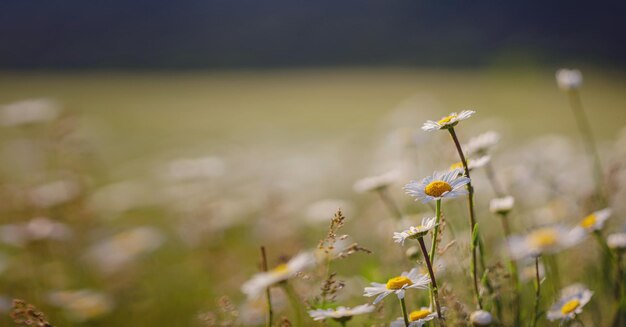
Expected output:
(472, 218)
(295, 303)
(391, 205)
(512, 269)
(589, 140)
(537, 293)
(433, 245)
(268, 298)
(433, 281)
(404, 313)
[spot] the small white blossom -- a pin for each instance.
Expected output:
(377, 182)
(482, 143)
(617, 241)
(398, 285)
(440, 185)
(415, 232)
(481, 318)
(569, 79)
(341, 313)
(448, 121)
(502, 205)
(571, 302)
(259, 282)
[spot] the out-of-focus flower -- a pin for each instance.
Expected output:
(192, 169)
(596, 220)
(448, 121)
(259, 282)
(323, 210)
(39, 228)
(502, 205)
(374, 183)
(617, 241)
(571, 302)
(481, 144)
(82, 305)
(54, 193)
(113, 253)
(481, 318)
(413, 252)
(398, 285)
(28, 112)
(529, 271)
(341, 313)
(472, 163)
(417, 318)
(120, 197)
(544, 240)
(415, 232)
(569, 79)
(440, 185)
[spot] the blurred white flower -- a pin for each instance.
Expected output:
(416, 318)
(373, 183)
(571, 302)
(596, 220)
(617, 241)
(481, 144)
(322, 211)
(39, 228)
(54, 193)
(440, 185)
(472, 163)
(28, 112)
(529, 271)
(544, 240)
(398, 285)
(341, 313)
(192, 169)
(82, 305)
(415, 232)
(120, 197)
(448, 121)
(501, 205)
(115, 252)
(569, 79)
(481, 318)
(259, 282)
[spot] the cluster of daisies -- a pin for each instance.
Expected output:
(537, 246)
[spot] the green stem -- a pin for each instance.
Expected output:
(295, 303)
(590, 144)
(537, 293)
(404, 314)
(389, 203)
(472, 219)
(433, 245)
(433, 281)
(553, 268)
(268, 297)
(512, 270)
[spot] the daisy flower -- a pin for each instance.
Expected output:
(397, 285)
(440, 185)
(482, 143)
(417, 318)
(415, 232)
(595, 221)
(374, 183)
(501, 205)
(569, 79)
(341, 313)
(472, 163)
(573, 299)
(481, 318)
(259, 282)
(617, 241)
(549, 239)
(448, 121)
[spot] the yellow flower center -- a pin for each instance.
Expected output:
(570, 306)
(544, 237)
(589, 221)
(437, 188)
(280, 269)
(458, 165)
(419, 314)
(397, 283)
(446, 119)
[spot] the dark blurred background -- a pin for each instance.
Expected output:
(288, 33)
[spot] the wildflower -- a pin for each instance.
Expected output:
(472, 163)
(54, 193)
(481, 318)
(374, 183)
(415, 232)
(341, 313)
(398, 285)
(569, 79)
(82, 305)
(550, 239)
(417, 318)
(572, 300)
(439, 185)
(482, 143)
(259, 282)
(501, 205)
(448, 121)
(595, 221)
(28, 112)
(413, 252)
(37, 229)
(617, 241)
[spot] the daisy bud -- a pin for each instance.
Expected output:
(569, 79)
(617, 241)
(481, 318)
(501, 205)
